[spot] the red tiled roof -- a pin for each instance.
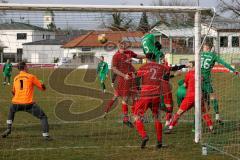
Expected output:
(90, 39)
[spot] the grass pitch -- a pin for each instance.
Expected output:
(108, 138)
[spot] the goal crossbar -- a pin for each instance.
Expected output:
(102, 8)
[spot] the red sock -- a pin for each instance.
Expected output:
(208, 120)
(109, 105)
(175, 120)
(158, 127)
(125, 109)
(168, 116)
(169, 113)
(140, 128)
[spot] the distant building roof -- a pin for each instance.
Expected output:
(91, 39)
(47, 42)
(20, 26)
(61, 37)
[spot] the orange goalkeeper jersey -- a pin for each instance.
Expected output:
(23, 88)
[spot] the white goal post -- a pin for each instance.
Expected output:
(127, 8)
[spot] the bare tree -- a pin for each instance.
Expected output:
(230, 6)
(117, 22)
(173, 18)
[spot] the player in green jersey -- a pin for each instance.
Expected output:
(7, 69)
(149, 45)
(181, 92)
(208, 60)
(102, 71)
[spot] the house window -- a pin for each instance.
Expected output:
(86, 49)
(21, 35)
(43, 36)
(224, 41)
(235, 41)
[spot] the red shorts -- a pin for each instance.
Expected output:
(143, 104)
(126, 88)
(168, 98)
(188, 102)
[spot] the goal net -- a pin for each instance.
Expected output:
(63, 46)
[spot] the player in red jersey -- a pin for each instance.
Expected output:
(189, 100)
(167, 98)
(126, 83)
(152, 87)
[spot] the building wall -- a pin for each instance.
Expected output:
(43, 35)
(42, 53)
(9, 38)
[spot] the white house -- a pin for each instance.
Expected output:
(44, 51)
(14, 34)
(50, 50)
(88, 50)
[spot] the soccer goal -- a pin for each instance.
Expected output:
(65, 47)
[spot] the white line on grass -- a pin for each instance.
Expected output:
(81, 147)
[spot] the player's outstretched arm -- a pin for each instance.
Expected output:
(140, 56)
(228, 66)
(39, 84)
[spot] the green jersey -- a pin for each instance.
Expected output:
(102, 68)
(148, 45)
(7, 69)
(181, 92)
(208, 60)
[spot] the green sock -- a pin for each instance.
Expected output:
(214, 102)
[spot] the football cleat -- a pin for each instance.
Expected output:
(168, 131)
(220, 122)
(144, 142)
(6, 133)
(159, 145)
(47, 138)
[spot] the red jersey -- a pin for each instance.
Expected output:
(152, 79)
(190, 82)
(122, 62)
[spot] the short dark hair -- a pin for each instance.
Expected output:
(192, 62)
(209, 44)
(21, 65)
